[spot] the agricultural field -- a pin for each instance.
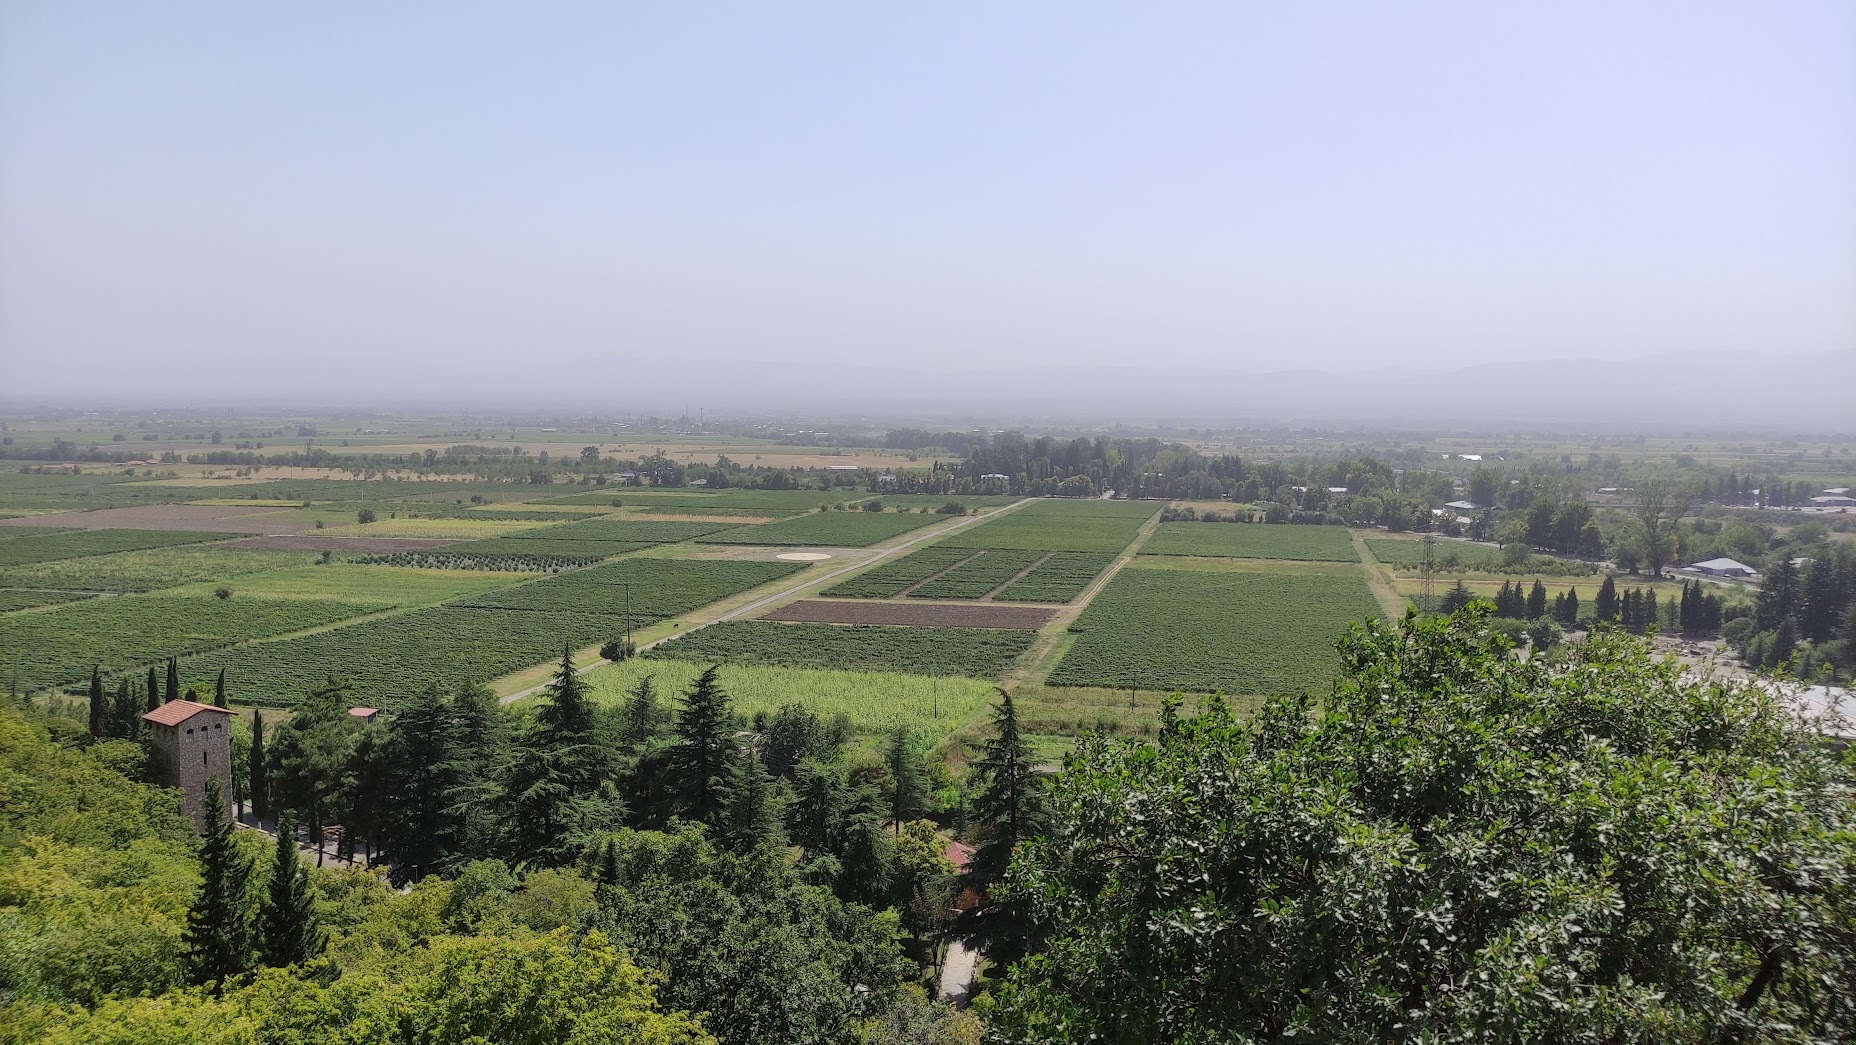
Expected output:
(1252, 541)
(852, 529)
(1249, 631)
(979, 575)
(1059, 578)
(584, 551)
(791, 501)
(1449, 554)
(974, 652)
(389, 658)
(894, 577)
(1053, 525)
(873, 701)
(153, 568)
(623, 530)
(915, 502)
(59, 645)
(914, 615)
(439, 529)
(16, 599)
(51, 547)
(489, 562)
(195, 518)
(659, 588)
(347, 582)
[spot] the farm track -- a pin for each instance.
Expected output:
(804, 586)
(937, 575)
(1379, 579)
(1015, 578)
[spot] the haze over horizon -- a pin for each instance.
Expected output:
(224, 201)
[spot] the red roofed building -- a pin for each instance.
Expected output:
(190, 744)
(366, 715)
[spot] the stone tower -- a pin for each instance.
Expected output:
(190, 744)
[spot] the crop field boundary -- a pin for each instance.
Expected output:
(938, 574)
(803, 587)
(1016, 577)
(1379, 579)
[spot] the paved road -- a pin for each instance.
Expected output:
(761, 603)
(957, 973)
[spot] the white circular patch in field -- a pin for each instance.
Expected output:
(803, 556)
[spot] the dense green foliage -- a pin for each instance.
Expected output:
(1234, 631)
(1252, 541)
(581, 551)
(825, 529)
(1456, 845)
(96, 871)
(488, 561)
(78, 543)
(61, 644)
(974, 652)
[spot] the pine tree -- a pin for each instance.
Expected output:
(172, 693)
(1008, 812)
(425, 825)
(753, 807)
(289, 932)
(606, 869)
(218, 933)
(868, 862)
(817, 820)
(566, 721)
(260, 771)
(644, 717)
(1537, 601)
(1455, 599)
(909, 798)
(99, 709)
(219, 690)
(1006, 808)
(1605, 606)
(705, 749)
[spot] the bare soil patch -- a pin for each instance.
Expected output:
(210, 518)
(917, 615)
(358, 545)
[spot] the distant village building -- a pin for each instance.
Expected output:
(190, 744)
(1461, 506)
(366, 715)
(1723, 568)
(1469, 457)
(1841, 500)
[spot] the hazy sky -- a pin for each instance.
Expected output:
(196, 193)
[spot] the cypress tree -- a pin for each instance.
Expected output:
(1605, 607)
(288, 931)
(260, 772)
(99, 710)
(219, 690)
(1537, 601)
(154, 689)
(606, 867)
(1572, 605)
(1646, 609)
(705, 750)
(218, 933)
(172, 692)
(123, 718)
(909, 799)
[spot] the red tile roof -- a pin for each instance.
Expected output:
(959, 855)
(174, 712)
(364, 712)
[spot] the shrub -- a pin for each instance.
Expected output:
(222, 592)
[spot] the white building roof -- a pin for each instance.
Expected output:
(1462, 506)
(1722, 564)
